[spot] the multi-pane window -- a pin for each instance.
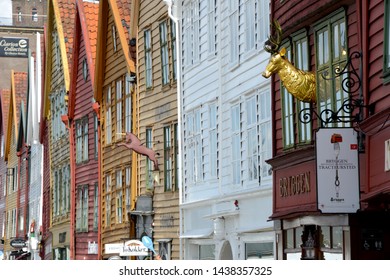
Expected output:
(128, 90)
(119, 102)
(265, 134)
(252, 139)
(82, 140)
(191, 27)
(211, 26)
(82, 209)
(291, 107)
(148, 59)
(234, 31)
(108, 120)
(264, 250)
(19, 15)
(34, 15)
(127, 188)
(107, 197)
(164, 52)
(119, 196)
(61, 191)
(12, 179)
(114, 41)
(20, 220)
(301, 60)
(194, 147)
(386, 42)
(331, 56)
(250, 19)
(58, 109)
(173, 50)
(95, 207)
(168, 159)
(149, 163)
(213, 141)
(236, 144)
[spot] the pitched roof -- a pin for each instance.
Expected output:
(61, 13)
(5, 99)
(120, 10)
(19, 95)
(91, 12)
(86, 28)
(67, 11)
(18, 98)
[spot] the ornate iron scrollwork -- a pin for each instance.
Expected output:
(351, 83)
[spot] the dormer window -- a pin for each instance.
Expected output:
(114, 38)
(85, 69)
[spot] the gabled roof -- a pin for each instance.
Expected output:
(4, 100)
(60, 13)
(120, 10)
(17, 99)
(85, 27)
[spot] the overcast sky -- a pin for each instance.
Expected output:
(5, 12)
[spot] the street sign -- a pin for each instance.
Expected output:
(18, 243)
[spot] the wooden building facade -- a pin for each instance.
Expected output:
(114, 91)
(339, 42)
(4, 100)
(16, 199)
(158, 122)
(58, 61)
(84, 139)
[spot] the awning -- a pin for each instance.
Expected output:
(296, 212)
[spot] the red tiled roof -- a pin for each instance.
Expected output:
(124, 12)
(91, 12)
(20, 80)
(5, 99)
(67, 10)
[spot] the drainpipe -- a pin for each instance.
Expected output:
(174, 10)
(69, 124)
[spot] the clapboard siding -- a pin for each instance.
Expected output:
(114, 67)
(157, 108)
(86, 173)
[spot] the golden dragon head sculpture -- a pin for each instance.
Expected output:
(301, 84)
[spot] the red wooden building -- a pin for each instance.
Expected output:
(84, 136)
(340, 214)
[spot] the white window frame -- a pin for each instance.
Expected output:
(164, 52)
(252, 139)
(213, 141)
(128, 105)
(234, 31)
(148, 58)
(108, 120)
(211, 26)
(236, 162)
(118, 105)
(265, 133)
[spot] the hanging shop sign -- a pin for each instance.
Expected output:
(337, 170)
(134, 248)
(18, 243)
(13, 47)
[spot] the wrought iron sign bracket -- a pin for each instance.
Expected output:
(347, 113)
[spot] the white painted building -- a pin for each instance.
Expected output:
(225, 103)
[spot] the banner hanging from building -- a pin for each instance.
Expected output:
(337, 170)
(13, 47)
